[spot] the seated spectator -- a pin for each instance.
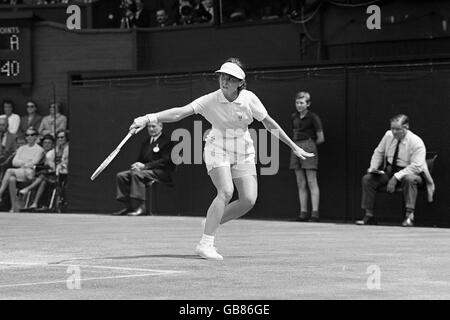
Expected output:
(171, 8)
(141, 18)
(191, 12)
(62, 168)
(44, 171)
(32, 119)
(62, 152)
(204, 11)
(186, 12)
(6, 163)
(26, 158)
(162, 18)
(209, 7)
(13, 119)
(128, 8)
(154, 164)
(7, 139)
(48, 122)
(399, 159)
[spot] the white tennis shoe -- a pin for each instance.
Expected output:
(207, 252)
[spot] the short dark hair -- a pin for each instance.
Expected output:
(48, 137)
(8, 101)
(33, 102)
(66, 134)
(402, 118)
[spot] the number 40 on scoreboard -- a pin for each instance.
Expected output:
(10, 68)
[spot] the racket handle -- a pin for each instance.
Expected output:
(137, 130)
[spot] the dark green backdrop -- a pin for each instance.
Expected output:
(354, 105)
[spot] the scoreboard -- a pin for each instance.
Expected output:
(15, 50)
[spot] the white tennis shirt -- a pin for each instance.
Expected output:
(226, 115)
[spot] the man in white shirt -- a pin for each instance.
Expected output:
(13, 119)
(401, 157)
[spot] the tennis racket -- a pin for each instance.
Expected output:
(113, 154)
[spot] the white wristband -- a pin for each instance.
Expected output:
(152, 118)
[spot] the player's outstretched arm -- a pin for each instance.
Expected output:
(274, 128)
(169, 115)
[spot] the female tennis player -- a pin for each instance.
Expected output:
(229, 151)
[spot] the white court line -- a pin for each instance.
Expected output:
(43, 264)
(24, 263)
(154, 272)
(81, 279)
(118, 268)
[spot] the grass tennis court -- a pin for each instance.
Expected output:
(44, 256)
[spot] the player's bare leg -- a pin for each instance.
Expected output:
(248, 192)
(221, 178)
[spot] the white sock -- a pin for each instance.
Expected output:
(207, 240)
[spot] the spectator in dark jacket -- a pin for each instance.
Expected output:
(141, 18)
(32, 119)
(154, 164)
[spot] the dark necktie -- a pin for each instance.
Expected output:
(394, 159)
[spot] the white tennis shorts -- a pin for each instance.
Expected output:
(233, 149)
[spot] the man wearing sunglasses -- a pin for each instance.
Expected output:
(31, 119)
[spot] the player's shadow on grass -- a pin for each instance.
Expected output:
(175, 256)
